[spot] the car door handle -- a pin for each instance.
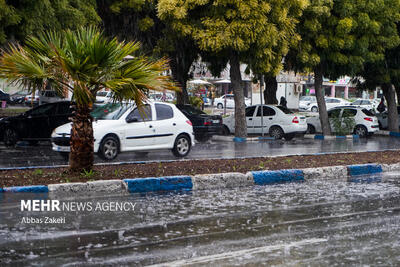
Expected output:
(250, 119)
(174, 124)
(150, 126)
(270, 118)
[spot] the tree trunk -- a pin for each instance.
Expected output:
(397, 88)
(236, 82)
(271, 86)
(180, 74)
(323, 114)
(81, 142)
(393, 116)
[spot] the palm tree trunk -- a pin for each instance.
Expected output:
(323, 114)
(81, 143)
(236, 79)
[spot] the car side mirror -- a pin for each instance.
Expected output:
(134, 119)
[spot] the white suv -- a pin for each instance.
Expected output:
(365, 121)
(124, 127)
(278, 121)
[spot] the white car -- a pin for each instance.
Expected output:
(383, 118)
(365, 121)
(306, 101)
(124, 127)
(278, 122)
(370, 104)
(103, 97)
(230, 102)
(330, 102)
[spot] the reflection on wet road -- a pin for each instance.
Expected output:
(318, 223)
(43, 155)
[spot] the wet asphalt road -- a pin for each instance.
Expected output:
(42, 155)
(314, 223)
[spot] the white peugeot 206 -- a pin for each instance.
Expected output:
(124, 127)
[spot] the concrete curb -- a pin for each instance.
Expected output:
(351, 173)
(330, 137)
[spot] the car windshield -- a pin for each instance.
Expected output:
(101, 93)
(191, 110)
(285, 110)
(367, 112)
(110, 111)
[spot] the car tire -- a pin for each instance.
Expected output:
(289, 137)
(10, 137)
(109, 148)
(361, 130)
(276, 132)
(225, 130)
(182, 146)
(310, 129)
(314, 109)
(220, 106)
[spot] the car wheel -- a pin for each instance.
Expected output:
(182, 146)
(225, 130)
(361, 130)
(314, 109)
(310, 129)
(289, 137)
(10, 137)
(220, 106)
(276, 132)
(109, 148)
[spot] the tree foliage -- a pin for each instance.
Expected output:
(339, 37)
(257, 32)
(20, 18)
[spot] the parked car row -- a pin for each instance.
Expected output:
(309, 103)
(229, 100)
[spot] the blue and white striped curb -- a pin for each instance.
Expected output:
(388, 133)
(352, 173)
(330, 137)
(242, 139)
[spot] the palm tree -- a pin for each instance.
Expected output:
(83, 62)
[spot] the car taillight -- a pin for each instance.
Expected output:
(189, 122)
(368, 119)
(207, 123)
(295, 120)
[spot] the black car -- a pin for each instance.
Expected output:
(36, 124)
(18, 98)
(4, 97)
(204, 125)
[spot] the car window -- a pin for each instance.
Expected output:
(142, 114)
(267, 111)
(285, 110)
(64, 108)
(335, 101)
(367, 112)
(164, 112)
(334, 113)
(357, 102)
(101, 93)
(366, 102)
(42, 110)
(110, 111)
(348, 112)
(328, 100)
(398, 109)
(250, 111)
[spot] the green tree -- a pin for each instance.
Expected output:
(20, 18)
(84, 62)
(137, 20)
(256, 32)
(339, 37)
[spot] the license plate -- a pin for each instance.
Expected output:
(215, 121)
(62, 149)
